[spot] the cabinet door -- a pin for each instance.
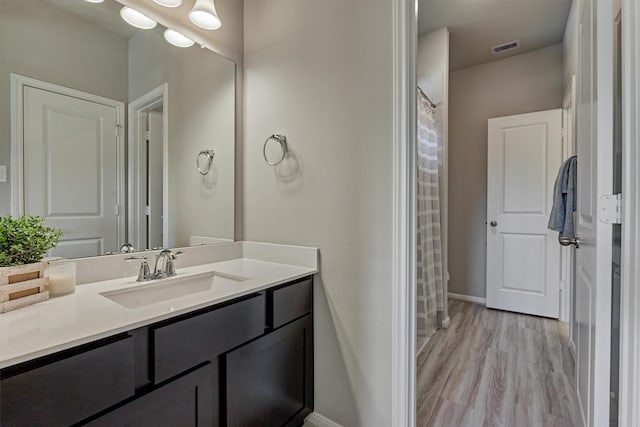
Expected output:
(68, 387)
(190, 400)
(269, 382)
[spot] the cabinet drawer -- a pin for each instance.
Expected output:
(292, 301)
(189, 342)
(63, 392)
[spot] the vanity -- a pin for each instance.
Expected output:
(126, 143)
(233, 346)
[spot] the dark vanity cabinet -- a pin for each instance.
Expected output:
(247, 362)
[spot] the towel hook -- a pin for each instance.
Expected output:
(210, 155)
(280, 139)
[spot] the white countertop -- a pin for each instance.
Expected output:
(84, 316)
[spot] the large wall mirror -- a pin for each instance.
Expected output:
(111, 133)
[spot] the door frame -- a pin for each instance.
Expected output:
(629, 412)
(18, 83)
(403, 328)
(159, 95)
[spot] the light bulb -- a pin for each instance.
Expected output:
(177, 39)
(204, 15)
(168, 3)
(137, 19)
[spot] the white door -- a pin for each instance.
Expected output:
(523, 256)
(70, 170)
(595, 179)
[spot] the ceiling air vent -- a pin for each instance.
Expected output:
(495, 50)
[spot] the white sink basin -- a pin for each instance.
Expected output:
(162, 290)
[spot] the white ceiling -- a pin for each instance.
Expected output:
(477, 25)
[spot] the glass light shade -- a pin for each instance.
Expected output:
(168, 3)
(177, 39)
(204, 15)
(94, 1)
(137, 19)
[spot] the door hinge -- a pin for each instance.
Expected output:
(146, 135)
(147, 210)
(611, 209)
(118, 127)
(117, 210)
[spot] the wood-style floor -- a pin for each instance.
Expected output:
(496, 368)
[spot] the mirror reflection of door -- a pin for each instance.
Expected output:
(70, 169)
(147, 144)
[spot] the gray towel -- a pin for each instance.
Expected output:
(564, 199)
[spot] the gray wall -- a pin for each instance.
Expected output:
(46, 43)
(201, 116)
(321, 73)
(516, 85)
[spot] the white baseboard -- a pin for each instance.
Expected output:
(423, 345)
(316, 420)
(468, 298)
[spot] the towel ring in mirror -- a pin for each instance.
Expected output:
(210, 154)
(280, 139)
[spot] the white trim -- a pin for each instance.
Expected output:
(403, 375)
(567, 254)
(157, 96)
(316, 420)
(424, 344)
(603, 104)
(629, 394)
(468, 298)
(18, 83)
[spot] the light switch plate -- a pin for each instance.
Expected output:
(3, 174)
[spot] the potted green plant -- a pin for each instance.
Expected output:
(24, 241)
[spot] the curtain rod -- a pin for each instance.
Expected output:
(433, 105)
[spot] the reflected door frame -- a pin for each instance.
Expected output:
(18, 84)
(148, 101)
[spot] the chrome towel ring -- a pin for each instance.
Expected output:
(210, 155)
(280, 139)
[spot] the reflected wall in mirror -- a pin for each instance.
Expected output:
(102, 124)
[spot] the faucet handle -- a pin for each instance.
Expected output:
(144, 274)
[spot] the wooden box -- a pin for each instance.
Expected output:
(23, 285)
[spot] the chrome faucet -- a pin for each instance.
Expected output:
(164, 264)
(163, 267)
(127, 248)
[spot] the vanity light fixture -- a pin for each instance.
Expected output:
(177, 39)
(94, 1)
(204, 15)
(137, 19)
(168, 3)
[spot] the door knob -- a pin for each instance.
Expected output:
(568, 241)
(493, 223)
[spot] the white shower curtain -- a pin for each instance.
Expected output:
(429, 239)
